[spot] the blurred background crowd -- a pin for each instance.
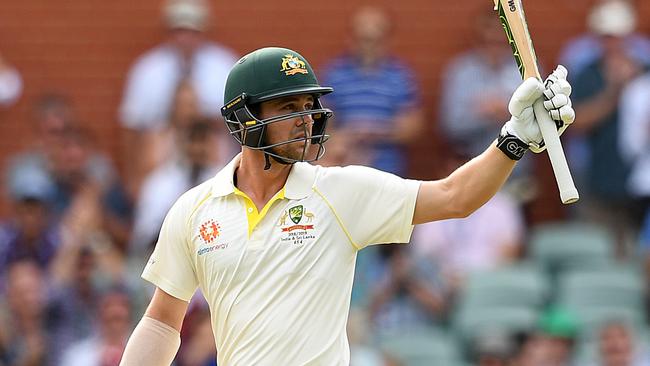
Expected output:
(521, 282)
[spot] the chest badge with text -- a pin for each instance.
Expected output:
(298, 230)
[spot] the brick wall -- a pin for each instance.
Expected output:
(84, 47)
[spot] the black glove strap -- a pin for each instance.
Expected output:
(513, 147)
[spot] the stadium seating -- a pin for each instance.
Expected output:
(613, 286)
(612, 292)
(471, 321)
(572, 245)
(514, 286)
(421, 347)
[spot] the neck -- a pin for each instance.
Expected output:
(259, 184)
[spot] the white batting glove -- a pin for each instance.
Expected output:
(523, 125)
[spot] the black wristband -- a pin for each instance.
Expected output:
(513, 147)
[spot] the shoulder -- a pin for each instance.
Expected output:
(189, 201)
(335, 172)
(349, 177)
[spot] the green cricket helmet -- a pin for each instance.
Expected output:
(263, 75)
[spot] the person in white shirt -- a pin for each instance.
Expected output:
(186, 56)
(272, 240)
(11, 84)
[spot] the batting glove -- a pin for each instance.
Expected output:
(522, 131)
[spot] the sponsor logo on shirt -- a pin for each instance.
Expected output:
(212, 248)
(209, 231)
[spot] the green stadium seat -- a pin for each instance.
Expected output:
(565, 246)
(470, 322)
(614, 286)
(421, 347)
(513, 286)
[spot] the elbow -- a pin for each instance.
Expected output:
(461, 204)
(461, 211)
(458, 204)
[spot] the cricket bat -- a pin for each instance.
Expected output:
(513, 19)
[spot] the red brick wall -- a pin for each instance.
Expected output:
(84, 47)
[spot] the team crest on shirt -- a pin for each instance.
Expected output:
(295, 214)
(299, 229)
(292, 65)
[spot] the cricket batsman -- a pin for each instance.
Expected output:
(272, 240)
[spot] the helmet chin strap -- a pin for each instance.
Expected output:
(267, 160)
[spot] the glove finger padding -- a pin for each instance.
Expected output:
(525, 95)
(557, 102)
(557, 86)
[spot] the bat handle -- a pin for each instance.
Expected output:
(568, 191)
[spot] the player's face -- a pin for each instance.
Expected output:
(299, 128)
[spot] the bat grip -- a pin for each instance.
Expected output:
(568, 191)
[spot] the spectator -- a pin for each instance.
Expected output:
(29, 233)
(589, 47)
(156, 76)
(408, 295)
(617, 347)
(195, 163)
(198, 348)
(552, 344)
(597, 91)
(493, 348)
(24, 340)
(634, 137)
(62, 152)
(376, 101)
(52, 114)
(80, 272)
(477, 87)
(106, 345)
(11, 84)
(78, 192)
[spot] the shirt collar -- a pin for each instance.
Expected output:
(299, 183)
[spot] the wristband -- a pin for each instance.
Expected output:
(512, 146)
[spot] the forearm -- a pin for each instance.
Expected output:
(464, 190)
(481, 178)
(152, 343)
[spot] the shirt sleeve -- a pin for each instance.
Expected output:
(170, 267)
(374, 207)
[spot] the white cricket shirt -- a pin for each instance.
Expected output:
(279, 281)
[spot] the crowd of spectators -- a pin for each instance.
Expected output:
(79, 231)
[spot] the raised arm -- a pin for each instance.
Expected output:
(474, 183)
(156, 338)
